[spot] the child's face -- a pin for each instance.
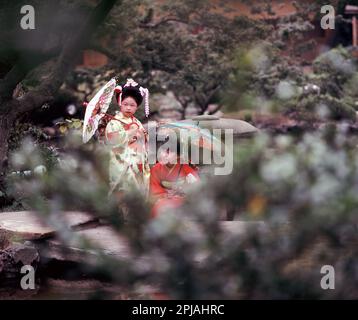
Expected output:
(128, 107)
(168, 157)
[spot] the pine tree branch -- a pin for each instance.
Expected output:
(66, 61)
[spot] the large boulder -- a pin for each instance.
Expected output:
(13, 258)
(27, 225)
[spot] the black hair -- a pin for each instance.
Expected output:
(131, 92)
(178, 144)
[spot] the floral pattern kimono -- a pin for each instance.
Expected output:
(129, 168)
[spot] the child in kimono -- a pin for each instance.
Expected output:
(169, 181)
(129, 168)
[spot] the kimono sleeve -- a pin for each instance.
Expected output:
(191, 175)
(156, 188)
(115, 134)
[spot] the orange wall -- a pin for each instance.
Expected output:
(94, 59)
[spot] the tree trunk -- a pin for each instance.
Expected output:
(6, 124)
(11, 109)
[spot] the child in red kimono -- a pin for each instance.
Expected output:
(169, 180)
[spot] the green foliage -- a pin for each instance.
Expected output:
(266, 80)
(335, 73)
(22, 130)
(325, 107)
(181, 46)
(262, 74)
(303, 189)
(30, 150)
(350, 91)
(63, 175)
(69, 125)
(26, 132)
(336, 66)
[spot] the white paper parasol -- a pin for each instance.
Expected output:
(96, 109)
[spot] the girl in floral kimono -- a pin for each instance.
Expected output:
(129, 168)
